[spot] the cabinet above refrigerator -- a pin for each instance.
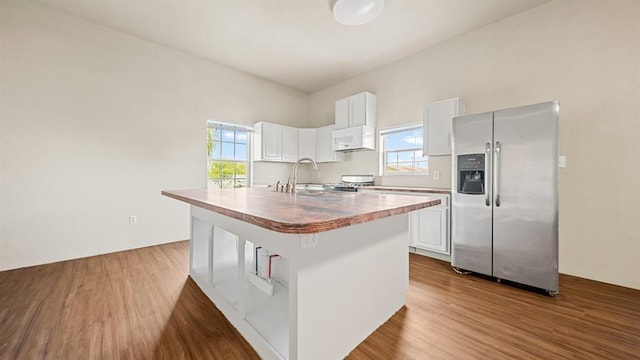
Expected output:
(437, 125)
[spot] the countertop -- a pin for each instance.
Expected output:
(409, 189)
(301, 213)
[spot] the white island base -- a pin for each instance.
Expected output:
(334, 287)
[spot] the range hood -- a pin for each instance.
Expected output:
(355, 138)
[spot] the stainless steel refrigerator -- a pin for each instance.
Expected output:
(505, 194)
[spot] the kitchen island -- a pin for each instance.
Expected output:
(340, 264)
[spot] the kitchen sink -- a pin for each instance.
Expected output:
(311, 189)
(318, 190)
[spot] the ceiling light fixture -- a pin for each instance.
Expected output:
(356, 12)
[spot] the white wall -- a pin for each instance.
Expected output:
(95, 123)
(584, 53)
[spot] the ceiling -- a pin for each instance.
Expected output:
(296, 43)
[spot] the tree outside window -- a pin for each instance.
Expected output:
(227, 156)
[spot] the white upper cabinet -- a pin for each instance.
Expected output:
(307, 143)
(356, 110)
(437, 125)
(274, 142)
(289, 144)
(324, 147)
(342, 113)
(267, 142)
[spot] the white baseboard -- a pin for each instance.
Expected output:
(430, 254)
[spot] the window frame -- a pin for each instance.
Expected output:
(249, 161)
(382, 163)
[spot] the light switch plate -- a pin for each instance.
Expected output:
(562, 161)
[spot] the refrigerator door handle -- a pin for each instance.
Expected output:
(487, 180)
(496, 174)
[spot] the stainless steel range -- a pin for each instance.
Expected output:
(352, 182)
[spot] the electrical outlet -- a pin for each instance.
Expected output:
(436, 175)
(308, 241)
(133, 219)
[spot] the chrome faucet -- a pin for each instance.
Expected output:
(295, 170)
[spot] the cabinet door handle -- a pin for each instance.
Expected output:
(496, 175)
(487, 174)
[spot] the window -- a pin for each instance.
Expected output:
(402, 151)
(228, 163)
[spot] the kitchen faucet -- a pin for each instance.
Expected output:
(295, 170)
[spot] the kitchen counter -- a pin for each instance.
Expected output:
(300, 213)
(332, 254)
(409, 189)
(431, 227)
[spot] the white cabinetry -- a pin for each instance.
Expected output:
(307, 139)
(429, 228)
(289, 144)
(267, 142)
(273, 142)
(354, 138)
(324, 148)
(356, 110)
(342, 113)
(437, 125)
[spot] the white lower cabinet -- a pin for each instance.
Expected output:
(429, 228)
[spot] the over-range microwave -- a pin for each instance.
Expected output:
(354, 139)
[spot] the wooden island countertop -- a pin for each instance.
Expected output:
(300, 213)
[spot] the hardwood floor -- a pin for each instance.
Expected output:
(140, 304)
(452, 316)
(137, 304)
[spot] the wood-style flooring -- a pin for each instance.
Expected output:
(140, 304)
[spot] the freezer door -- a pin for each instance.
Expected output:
(525, 214)
(471, 213)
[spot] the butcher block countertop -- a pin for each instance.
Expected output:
(409, 189)
(301, 213)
